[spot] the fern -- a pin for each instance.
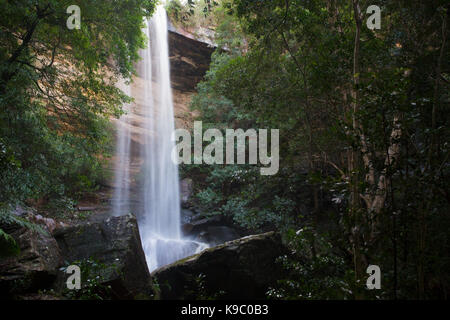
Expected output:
(7, 218)
(8, 246)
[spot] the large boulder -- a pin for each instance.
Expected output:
(239, 269)
(35, 267)
(115, 244)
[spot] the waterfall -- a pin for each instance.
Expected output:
(161, 192)
(158, 181)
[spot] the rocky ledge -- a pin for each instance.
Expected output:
(241, 269)
(190, 58)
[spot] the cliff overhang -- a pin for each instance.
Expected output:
(190, 57)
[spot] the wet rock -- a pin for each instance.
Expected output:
(197, 225)
(212, 230)
(239, 269)
(204, 223)
(216, 235)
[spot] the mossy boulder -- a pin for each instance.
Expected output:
(241, 269)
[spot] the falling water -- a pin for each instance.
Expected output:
(122, 165)
(161, 191)
(159, 218)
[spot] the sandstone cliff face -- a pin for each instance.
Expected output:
(189, 60)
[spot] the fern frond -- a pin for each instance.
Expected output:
(7, 218)
(8, 246)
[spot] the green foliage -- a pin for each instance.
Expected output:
(178, 12)
(8, 246)
(195, 15)
(314, 270)
(10, 219)
(364, 162)
(61, 207)
(237, 192)
(93, 285)
(196, 289)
